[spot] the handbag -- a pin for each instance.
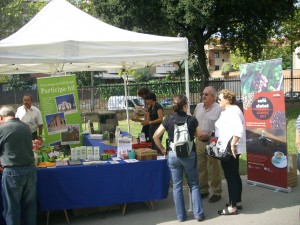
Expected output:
(216, 149)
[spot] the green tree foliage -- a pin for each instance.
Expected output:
(20, 82)
(142, 75)
(291, 29)
(243, 24)
(83, 79)
(236, 59)
(3, 79)
(226, 68)
(145, 16)
(85, 5)
(274, 50)
(16, 13)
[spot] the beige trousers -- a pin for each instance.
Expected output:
(207, 165)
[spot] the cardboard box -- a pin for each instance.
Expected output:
(292, 170)
(146, 154)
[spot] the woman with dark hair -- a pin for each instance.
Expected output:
(231, 126)
(180, 165)
(154, 117)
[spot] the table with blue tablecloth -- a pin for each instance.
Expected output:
(72, 187)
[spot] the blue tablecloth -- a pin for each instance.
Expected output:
(81, 186)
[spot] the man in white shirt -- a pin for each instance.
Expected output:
(207, 112)
(32, 116)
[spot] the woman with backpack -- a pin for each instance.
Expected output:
(179, 165)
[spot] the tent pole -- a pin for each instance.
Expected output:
(92, 92)
(187, 85)
(125, 76)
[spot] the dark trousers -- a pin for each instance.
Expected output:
(34, 135)
(234, 181)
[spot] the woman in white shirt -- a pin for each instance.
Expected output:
(231, 124)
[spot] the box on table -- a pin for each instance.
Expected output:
(292, 170)
(146, 154)
(105, 156)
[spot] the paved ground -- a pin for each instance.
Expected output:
(261, 206)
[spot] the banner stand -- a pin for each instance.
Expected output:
(275, 188)
(265, 122)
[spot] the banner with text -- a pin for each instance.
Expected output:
(60, 110)
(264, 111)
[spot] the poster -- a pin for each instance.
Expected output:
(264, 111)
(60, 110)
(124, 145)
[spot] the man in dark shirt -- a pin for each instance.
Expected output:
(19, 174)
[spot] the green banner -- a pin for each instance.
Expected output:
(60, 109)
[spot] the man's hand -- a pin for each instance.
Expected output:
(204, 135)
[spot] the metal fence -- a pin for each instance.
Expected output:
(95, 99)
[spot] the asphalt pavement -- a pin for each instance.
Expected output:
(260, 206)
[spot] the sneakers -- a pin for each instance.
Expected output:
(204, 195)
(214, 198)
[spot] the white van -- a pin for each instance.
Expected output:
(119, 103)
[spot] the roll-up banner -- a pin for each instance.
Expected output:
(264, 111)
(60, 110)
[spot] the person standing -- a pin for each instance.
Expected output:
(19, 174)
(230, 127)
(154, 117)
(298, 140)
(207, 112)
(180, 165)
(32, 116)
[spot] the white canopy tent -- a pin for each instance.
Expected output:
(61, 38)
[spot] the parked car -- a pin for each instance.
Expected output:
(295, 95)
(239, 100)
(119, 102)
(166, 103)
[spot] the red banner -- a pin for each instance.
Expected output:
(264, 111)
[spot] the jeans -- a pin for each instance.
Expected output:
(188, 165)
(19, 195)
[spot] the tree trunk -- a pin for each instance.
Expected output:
(202, 61)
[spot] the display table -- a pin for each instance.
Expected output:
(72, 187)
